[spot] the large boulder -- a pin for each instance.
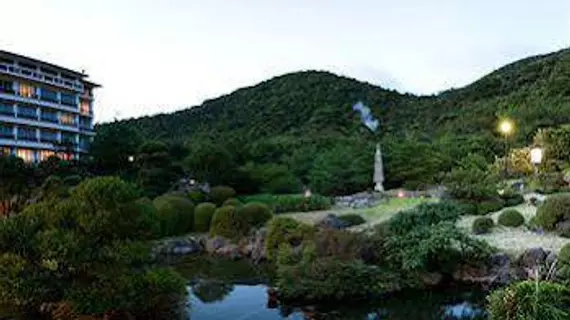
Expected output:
(179, 246)
(230, 251)
(500, 269)
(533, 258)
(254, 248)
(331, 221)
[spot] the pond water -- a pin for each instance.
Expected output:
(236, 290)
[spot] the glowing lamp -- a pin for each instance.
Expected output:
(308, 193)
(506, 126)
(536, 156)
(401, 194)
(131, 158)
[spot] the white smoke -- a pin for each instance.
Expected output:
(367, 118)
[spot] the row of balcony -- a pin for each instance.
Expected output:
(30, 113)
(44, 137)
(38, 75)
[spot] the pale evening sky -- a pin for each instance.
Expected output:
(155, 56)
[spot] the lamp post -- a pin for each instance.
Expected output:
(506, 128)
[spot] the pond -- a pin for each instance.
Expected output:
(236, 290)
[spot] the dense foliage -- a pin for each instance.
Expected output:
(554, 210)
(228, 223)
(352, 219)
(87, 249)
(203, 214)
(530, 300)
(291, 202)
(176, 214)
(256, 214)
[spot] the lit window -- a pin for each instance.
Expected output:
(65, 156)
(85, 107)
(5, 151)
(27, 91)
(26, 154)
(67, 119)
(45, 154)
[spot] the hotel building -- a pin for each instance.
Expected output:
(45, 109)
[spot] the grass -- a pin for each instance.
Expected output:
(374, 215)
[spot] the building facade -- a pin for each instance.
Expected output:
(45, 110)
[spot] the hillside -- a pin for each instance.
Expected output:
(310, 112)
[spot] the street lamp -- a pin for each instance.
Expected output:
(506, 127)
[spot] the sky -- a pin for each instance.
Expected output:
(155, 56)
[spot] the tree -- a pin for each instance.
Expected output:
(111, 149)
(211, 163)
(16, 184)
(156, 169)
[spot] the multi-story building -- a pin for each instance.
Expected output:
(45, 109)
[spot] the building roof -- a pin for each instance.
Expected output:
(12, 55)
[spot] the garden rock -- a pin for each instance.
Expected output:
(230, 251)
(179, 246)
(563, 228)
(500, 269)
(357, 201)
(331, 221)
(533, 258)
(215, 243)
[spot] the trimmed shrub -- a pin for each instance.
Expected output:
(219, 194)
(564, 255)
(424, 215)
(286, 231)
(352, 219)
(232, 202)
(467, 208)
(482, 225)
(555, 209)
(255, 213)
(227, 223)
(489, 206)
(511, 218)
(291, 202)
(176, 214)
(530, 300)
(512, 199)
(203, 216)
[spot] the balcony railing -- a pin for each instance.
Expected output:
(27, 137)
(7, 135)
(49, 118)
(28, 115)
(41, 76)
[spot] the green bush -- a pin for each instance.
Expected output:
(482, 225)
(352, 219)
(512, 199)
(511, 218)
(564, 255)
(530, 300)
(291, 202)
(203, 216)
(255, 213)
(286, 231)
(555, 209)
(227, 223)
(489, 206)
(426, 214)
(232, 202)
(176, 214)
(72, 181)
(467, 208)
(197, 196)
(219, 194)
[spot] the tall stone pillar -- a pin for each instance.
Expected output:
(378, 170)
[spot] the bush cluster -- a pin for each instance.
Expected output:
(219, 194)
(512, 198)
(482, 225)
(228, 223)
(490, 205)
(511, 218)
(256, 214)
(232, 202)
(291, 203)
(287, 231)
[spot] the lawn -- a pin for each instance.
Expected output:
(374, 215)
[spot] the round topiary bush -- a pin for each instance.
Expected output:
(482, 225)
(203, 216)
(489, 206)
(197, 196)
(219, 194)
(232, 202)
(227, 223)
(176, 214)
(352, 219)
(555, 209)
(256, 213)
(564, 255)
(511, 218)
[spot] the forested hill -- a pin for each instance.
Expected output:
(311, 112)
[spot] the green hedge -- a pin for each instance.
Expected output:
(555, 209)
(482, 225)
(511, 218)
(203, 216)
(488, 206)
(352, 219)
(291, 202)
(219, 194)
(232, 202)
(176, 214)
(227, 223)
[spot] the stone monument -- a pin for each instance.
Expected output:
(378, 170)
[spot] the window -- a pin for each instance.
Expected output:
(27, 112)
(26, 154)
(5, 151)
(49, 116)
(6, 131)
(85, 107)
(48, 136)
(67, 119)
(27, 90)
(85, 123)
(6, 86)
(48, 95)
(27, 134)
(65, 156)
(84, 143)
(68, 99)
(6, 109)
(45, 154)
(67, 138)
